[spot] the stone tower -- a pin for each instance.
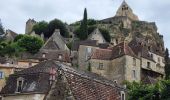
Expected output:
(125, 10)
(29, 25)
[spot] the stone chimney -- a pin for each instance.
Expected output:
(57, 31)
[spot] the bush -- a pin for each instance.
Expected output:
(30, 43)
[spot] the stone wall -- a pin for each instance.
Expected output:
(25, 97)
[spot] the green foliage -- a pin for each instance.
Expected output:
(57, 24)
(140, 91)
(89, 67)
(166, 55)
(91, 29)
(167, 64)
(1, 29)
(83, 31)
(69, 45)
(91, 22)
(30, 43)
(105, 34)
(18, 37)
(41, 27)
(48, 28)
(10, 49)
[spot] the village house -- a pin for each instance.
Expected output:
(51, 80)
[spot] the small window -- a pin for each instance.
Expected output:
(59, 56)
(152, 56)
(148, 65)
(133, 74)
(20, 82)
(122, 95)
(100, 66)
(134, 62)
(43, 55)
(1, 75)
(158, 60)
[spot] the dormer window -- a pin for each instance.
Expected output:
(59, 56)
(20, 82)
(122, 93)
(43, 55)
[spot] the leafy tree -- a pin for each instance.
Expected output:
(167, 64)
(105, 34)
(18, 37)
(30, 43)
(91, 22)
(57, 24)
(1, 29)
(41, 27)
(83, 34)
(166, 55)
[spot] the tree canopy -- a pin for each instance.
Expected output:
(140, 91)
(167, 64)
(48, 28)
(41, 27)
(1, 29)
(31, 44)
(83, 30)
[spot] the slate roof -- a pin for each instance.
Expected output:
(53, 55)
(83, 85)
(10, 35)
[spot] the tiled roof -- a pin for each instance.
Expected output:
(83, 85)
(102, 54)
(89, 42)
(53, 55)
(113, 52)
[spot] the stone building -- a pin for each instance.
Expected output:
(131, 61)
(10, 35)
(97, 35)
(29, 25)
(85, 50)
(51, 80)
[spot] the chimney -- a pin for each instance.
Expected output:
(57, 31)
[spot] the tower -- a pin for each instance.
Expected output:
(29, 25)
(125, 10)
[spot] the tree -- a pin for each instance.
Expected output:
(31, 44)
(89, 67)
(105, 34)
(83, 34)
(41, 27)
(18, 37)
(166, 56)
(167, 65)
(1, 29)
(57, 24)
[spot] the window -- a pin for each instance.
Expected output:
(148, 65)
(158, 60)
(1, 75)
(88, 53)
(134, 62)
(20, 82)
(133, 74)
(43, 55)
(59, 56)
(100, 66)
(122, 93)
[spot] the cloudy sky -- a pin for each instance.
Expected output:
(14, 13)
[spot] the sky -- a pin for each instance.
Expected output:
(15, 13)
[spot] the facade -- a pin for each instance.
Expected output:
(85, 50)
(51, 80)
(10, 35)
